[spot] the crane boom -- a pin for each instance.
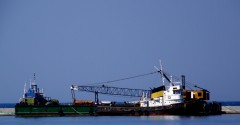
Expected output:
(112, 90)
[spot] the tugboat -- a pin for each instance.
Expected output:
(169, 98)
(34, 103)
(34, 96)
(172, 99)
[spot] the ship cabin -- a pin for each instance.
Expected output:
(196, 95)
(33, 96)
(163, 96)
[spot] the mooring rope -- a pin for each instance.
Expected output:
(75, 110)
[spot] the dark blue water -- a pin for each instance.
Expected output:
(230, 103)
(229, 119)
(7, 105)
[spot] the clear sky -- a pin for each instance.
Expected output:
(80, 42)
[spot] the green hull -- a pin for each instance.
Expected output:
(61, 110)
(188, 108)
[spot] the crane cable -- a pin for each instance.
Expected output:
(122, 79)
(188, 84)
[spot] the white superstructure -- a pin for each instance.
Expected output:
(171, 95)
(166, 95)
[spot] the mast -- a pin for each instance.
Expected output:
(183, 82)
(34, 78)
(24, 89)
(161, 72)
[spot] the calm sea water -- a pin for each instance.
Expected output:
(228, 119)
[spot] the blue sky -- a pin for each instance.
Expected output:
(80, 42)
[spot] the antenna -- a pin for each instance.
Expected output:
(25, 88)
(30, 83)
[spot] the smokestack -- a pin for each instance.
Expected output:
(183, 81)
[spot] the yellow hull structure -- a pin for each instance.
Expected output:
(157, 94)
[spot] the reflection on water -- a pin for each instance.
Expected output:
(165, 117)
(230, 119)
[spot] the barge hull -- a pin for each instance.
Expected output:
(190, 108)
(61, 110)
(139, 111)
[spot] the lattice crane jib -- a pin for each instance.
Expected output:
(110, 91)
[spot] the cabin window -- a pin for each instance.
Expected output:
(199, 94)
(176, 92)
